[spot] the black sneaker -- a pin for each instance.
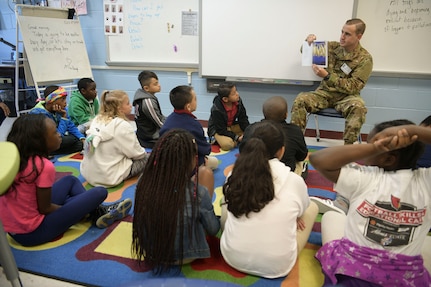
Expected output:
(108, 214)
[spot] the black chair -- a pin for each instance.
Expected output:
(328, 112)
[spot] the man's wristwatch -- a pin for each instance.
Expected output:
(327, 77)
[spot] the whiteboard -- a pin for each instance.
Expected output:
(55, 49)
(154, 34)
(262, 39)
(397, 35)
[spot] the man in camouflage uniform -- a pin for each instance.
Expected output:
(349, 67)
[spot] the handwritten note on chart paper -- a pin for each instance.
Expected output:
(397, 35)
(55, 48)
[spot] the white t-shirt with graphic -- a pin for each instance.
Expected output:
(388, 210)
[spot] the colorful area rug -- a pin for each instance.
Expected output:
(102, 257)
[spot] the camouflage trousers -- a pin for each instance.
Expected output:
(352, 107)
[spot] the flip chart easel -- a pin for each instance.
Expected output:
(53, 46)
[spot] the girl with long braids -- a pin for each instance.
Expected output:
(173, 211)
(269, 215)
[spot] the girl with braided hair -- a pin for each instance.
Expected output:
(173, 209)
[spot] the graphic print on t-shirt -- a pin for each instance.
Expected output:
(388, 226)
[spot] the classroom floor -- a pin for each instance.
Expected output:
(31, 280)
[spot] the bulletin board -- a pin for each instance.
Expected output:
(162, 33)
(397, 35)
(262, 39)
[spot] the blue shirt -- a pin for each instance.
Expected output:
(64, 125)
(185, 120)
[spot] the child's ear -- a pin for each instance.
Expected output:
(389, 160)
(279, 154)
(225, 99)
(146, 88)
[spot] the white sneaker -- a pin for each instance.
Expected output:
(325, 205)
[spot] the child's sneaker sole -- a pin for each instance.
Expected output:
(118, 213)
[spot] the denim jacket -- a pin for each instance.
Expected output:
(207, 223)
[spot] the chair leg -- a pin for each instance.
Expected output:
(7, 260)
(317, 128)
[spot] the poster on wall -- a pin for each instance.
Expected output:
(79, 5)
(114, 17)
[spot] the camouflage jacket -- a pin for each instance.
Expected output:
(359, 61)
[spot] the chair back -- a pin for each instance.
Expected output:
(9, 158)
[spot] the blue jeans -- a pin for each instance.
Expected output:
(75, 201)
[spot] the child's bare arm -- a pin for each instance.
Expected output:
(43, 197)
(329, 161)
(300, 223)
(420, 133)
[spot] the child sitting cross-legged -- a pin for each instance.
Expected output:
(112, 151)
(54, 107)
(228, 118)
(382, 236)
(83, 105)
(173, 210)
(148, 114)
(183, 99)
(269, 215)
(36, 208)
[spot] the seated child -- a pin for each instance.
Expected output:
(54, 107)
(112, 152)
(83, 104)
(269, 214)
(183, 99)
(148, 115)
(389, 215)
(228, 119)
(425, 159)
(36, 208)
(341, 204)
(295, 148)
(167, 235)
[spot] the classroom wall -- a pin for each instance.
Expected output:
(386, 97)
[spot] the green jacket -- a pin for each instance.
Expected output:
(81, 110)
